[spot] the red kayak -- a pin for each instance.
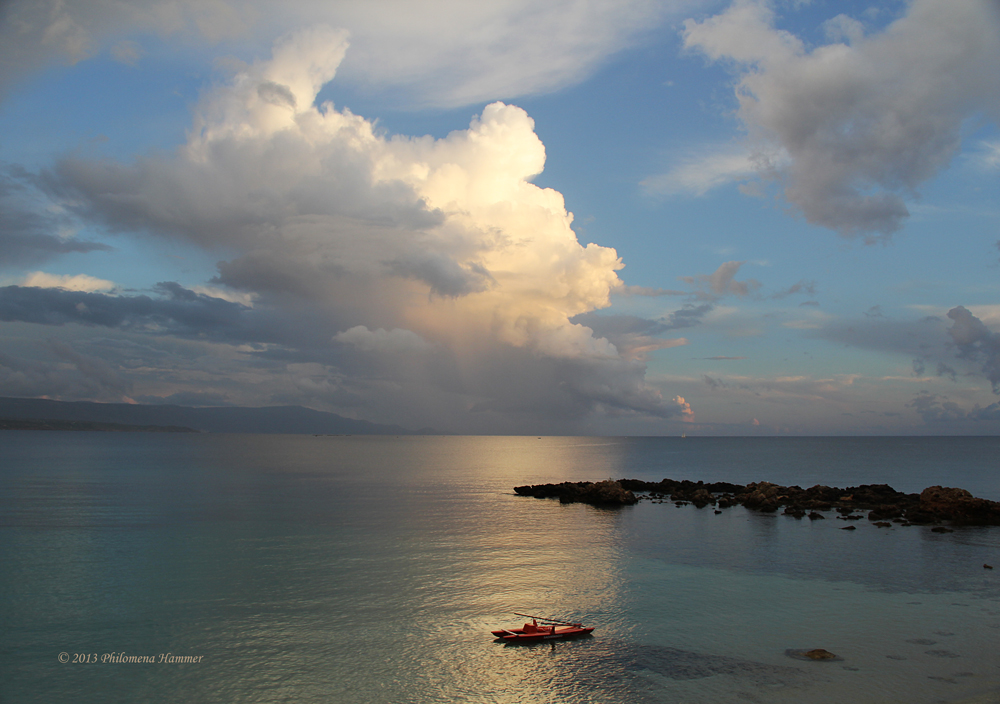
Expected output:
(533, 632)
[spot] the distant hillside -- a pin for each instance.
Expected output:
(25, 424)
(268, 419)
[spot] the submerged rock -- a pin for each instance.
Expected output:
(814, 654)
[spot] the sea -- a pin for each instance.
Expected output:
(147, 567)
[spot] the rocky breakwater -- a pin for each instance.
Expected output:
(606, 493)
(879, 503)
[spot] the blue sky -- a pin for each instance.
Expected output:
(619, 217)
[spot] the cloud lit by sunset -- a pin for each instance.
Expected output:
(371, 214)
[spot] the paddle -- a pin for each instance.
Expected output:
(550, 620)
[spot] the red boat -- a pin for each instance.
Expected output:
(551, 629)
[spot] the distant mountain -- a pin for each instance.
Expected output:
(223, 419)
(27, 424)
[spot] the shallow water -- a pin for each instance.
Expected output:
(364, 569)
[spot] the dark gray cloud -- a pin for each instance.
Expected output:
(83, 378)
(721, 282)
(923, 338)
(30, 234)
(617, 324)
(934, 408)
(444, 275)
(570, 390)
(717, 384)
(851, 129)
(628, 331)
(976, 343)
(939, 410)
(302, 333)
(806, 287)
(92, 368)
(229, 201)
(178, 312)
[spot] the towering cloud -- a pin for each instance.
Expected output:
(408, 251)
(854, 127)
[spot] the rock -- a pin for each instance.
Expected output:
(941, 529)
(816, 516)
(959, 506)
(987, 567)
(921, 518)
(606, 493)
(762, 494)
(702, 498)
(819, 654)
(849, 528)
(883, 524)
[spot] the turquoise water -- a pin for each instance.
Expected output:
(371, 569)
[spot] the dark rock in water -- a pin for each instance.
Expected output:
(941, 529)
(606, 493)
(883, 524)
(849, 528)
(795, 512)
(814, 654)
(987, 567)
(918, 517)
(959, 506)
(816, 516)
(702, 498)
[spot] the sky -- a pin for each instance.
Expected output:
(603, 217)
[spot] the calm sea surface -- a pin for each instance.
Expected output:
(371, 569)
